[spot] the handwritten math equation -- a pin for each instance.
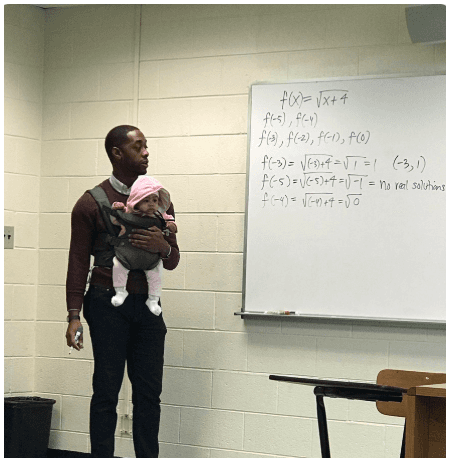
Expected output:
(298, 125)
(323, 98)
(317, 162)
(307, 153)
(274, 139)
(312, 199)
(323, 180)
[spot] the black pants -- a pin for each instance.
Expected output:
(127, 333)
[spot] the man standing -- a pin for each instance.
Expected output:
(128, 333)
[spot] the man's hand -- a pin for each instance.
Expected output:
(71, 335)
(151, 240)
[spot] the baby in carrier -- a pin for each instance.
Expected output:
(146, 207)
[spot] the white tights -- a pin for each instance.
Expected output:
(154, 279)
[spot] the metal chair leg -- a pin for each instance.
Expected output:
(322, 424)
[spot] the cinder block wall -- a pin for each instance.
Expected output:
(24, 53)
(183, 76)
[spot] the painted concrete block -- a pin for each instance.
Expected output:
(186, 387)
(212, 428)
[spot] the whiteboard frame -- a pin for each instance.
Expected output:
(317, 317)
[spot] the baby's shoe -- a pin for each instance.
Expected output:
(119, 297)
(153, 305)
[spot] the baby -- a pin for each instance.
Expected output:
(146, 207)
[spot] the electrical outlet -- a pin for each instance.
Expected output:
(126, 424)
(9, 237)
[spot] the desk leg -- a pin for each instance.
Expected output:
(402, 450)
(322, 424)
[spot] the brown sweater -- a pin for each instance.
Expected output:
(86, 224)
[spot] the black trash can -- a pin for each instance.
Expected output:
(27, 426)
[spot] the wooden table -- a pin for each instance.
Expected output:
(426, 421)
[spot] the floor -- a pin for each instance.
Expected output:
(54, 453)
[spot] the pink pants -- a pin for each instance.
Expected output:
(154, 277)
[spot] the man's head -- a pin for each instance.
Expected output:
(126, 147)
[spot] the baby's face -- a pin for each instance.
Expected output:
(148, 205)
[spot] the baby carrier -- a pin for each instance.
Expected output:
(104, 250)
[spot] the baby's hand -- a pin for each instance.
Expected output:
(171, 226)
(118, 206)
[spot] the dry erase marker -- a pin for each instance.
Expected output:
(78, 333)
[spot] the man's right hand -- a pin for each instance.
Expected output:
(71, 335)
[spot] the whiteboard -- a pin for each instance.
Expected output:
(346, 197)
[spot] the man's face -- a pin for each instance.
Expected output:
(135, 154)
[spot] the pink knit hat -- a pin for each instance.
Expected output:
(144, 187)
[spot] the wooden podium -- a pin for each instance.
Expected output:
(426, 421)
